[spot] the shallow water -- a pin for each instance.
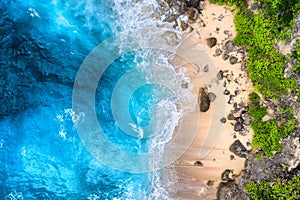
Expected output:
(43, 45)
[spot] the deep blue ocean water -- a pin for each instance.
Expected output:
(42, 45)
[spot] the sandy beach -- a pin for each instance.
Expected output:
(197, 173)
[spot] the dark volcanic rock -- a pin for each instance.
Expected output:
(226, 92)
(220, 75)
(239, 149)
(198, 163)
(225, 56)
(231, 191)
(192, 3)
(227, 175)
(220, 17)
(218, 52)
(269, 169)
(238, 127)
(229, 46)
(210, 183)
(192, 14)
(233, 60)
(223, 120)
(203, 99)
(211, 42)
(230, 116)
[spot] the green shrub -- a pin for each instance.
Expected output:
(278, 190)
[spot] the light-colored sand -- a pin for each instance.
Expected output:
(189, 180)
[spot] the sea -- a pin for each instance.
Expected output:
(49, 147)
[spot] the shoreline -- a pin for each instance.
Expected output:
(199, 175)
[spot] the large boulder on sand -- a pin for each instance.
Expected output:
(204, 100)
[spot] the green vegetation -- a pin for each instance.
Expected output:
(265, 65)
(280, 189)
(256, 111)
(296, 57)
(259, 31)
(239, 3)
(268, 133)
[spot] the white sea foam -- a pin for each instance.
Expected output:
(138, 14)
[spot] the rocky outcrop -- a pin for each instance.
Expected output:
(239, 149)
(231, 191)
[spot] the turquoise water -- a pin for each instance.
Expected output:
(42, 47)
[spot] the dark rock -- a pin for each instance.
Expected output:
(235, 105)
(220, 17)
(217, 29)
(240, 120)
(192, 14)
(227, 175)
(211, 42)
(234, 136)
(231, 157)
(227, 32)
(212, 96)
(238, 127)
(231, 97)
(233, 60)
(248, 144)
(230, 116)
(205, 68)
(247, 121)
(218, 52)
(226, 92)
(231, 191)
(192, 3)
(220, 75)
(203, 99)
(198, 163)
(230, 101)
(229, 46)
(223, 120)
(225, 56)
(239, 149)
(236, 110)
(210, 183)
(237, 92)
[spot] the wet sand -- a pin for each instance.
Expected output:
(213, 138)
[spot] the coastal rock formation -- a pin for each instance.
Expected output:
(231, 191)
(239, 149)
(192, 3)
(285, 164)
(227, 175)
(211, 42)
(203, 99)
